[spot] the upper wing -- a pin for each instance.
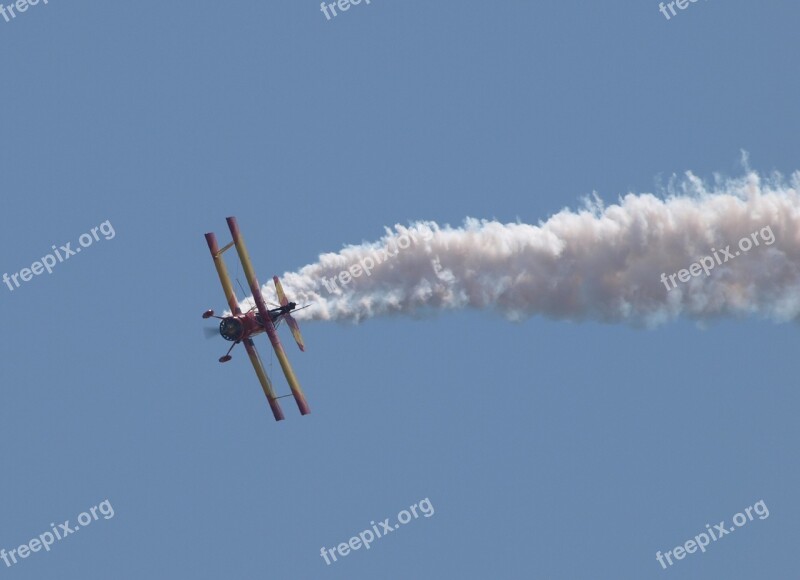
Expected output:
(250, 274)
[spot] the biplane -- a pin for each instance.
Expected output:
(240, 327)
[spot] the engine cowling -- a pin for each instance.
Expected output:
(231, 329)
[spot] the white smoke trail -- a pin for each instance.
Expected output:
(598, 263)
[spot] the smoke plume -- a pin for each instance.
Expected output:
(602, 263)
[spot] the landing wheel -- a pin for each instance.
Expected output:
(225, 358)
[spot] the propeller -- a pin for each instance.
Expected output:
(211, 332)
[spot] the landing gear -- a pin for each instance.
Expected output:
(228, 356)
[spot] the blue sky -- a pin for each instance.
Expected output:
(548, 449)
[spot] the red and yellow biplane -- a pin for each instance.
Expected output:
(241, 327)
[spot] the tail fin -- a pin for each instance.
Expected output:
(298, 338)
(281, 296)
